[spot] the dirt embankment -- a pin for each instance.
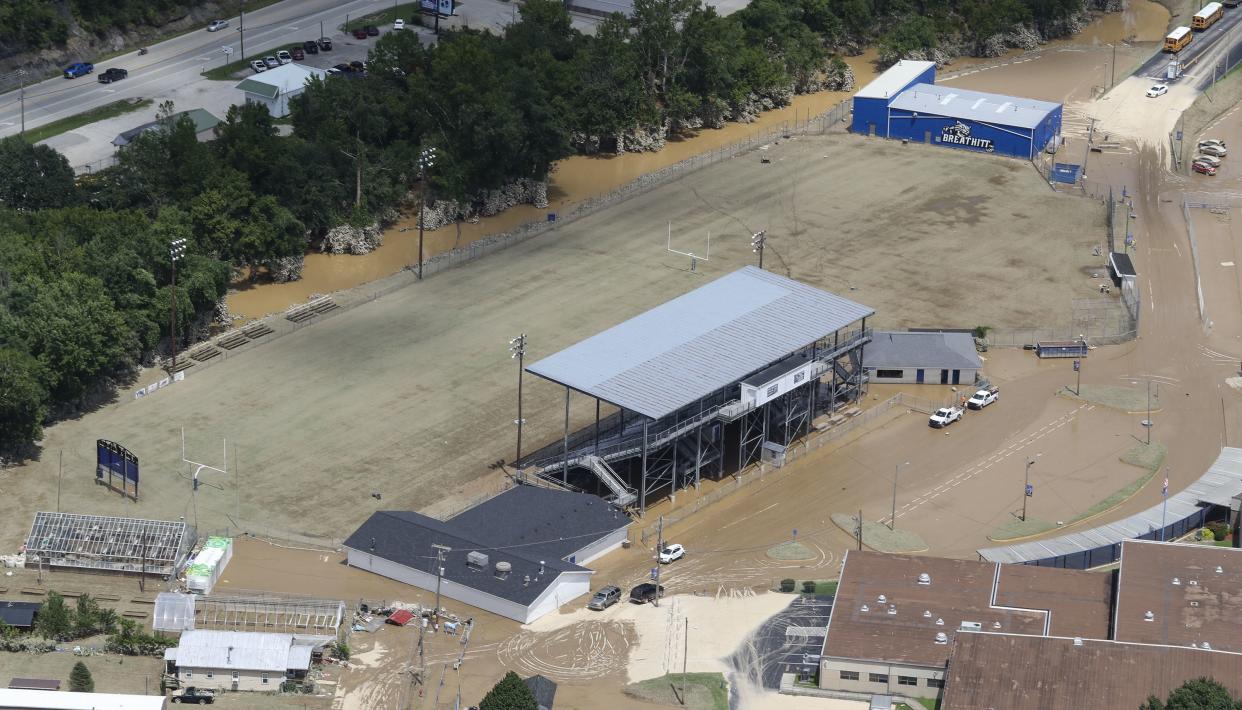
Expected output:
(1180, 11)
(87, 45)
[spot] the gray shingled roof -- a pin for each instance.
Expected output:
(697, 343)
(896, 350)
(527, 526)
(955, 102)
(543, 689)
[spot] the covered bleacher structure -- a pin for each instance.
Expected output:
(704, 384)
(1186, 511)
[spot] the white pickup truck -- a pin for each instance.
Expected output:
(944, 416)
(983, 398)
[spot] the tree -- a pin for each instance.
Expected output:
(33, 177)
(509, 694)
(54, 620)
(23, 401)
(1198, 694)
(80, 680)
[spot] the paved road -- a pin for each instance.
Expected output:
(772, 651)
(179, 61)
(1220, 45)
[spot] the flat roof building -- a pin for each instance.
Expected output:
(922, 358)
(894, 619)
(46, 700)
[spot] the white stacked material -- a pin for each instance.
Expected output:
(207, 566)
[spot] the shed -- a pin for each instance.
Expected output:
(274, 88)
(401, 617)
(19, 614)
(543, 689)
(1121, 268)
(933, 358)
(34, 684)
(204, 127)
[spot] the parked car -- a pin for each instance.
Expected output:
(258, 66)
(1212, 141)
(671, 552)
(1214, 150)
(342, 68)
(398, 24)
(111, 75)
(1203, 168)
(310, 47)
(983, 397)
(1157, 90)
(298, 54)
(325, 44)
(372, 31)
(78, 69)
(360, 33)
(193, 695)
(646, 592)
(357, 66)
(271, 62)
(604, 598)
(1214, 162)
(217, 25)
(944, 416)
(284, 57)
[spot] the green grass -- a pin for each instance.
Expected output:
(930, 703)
(791, 551)
(828, 588)
(1016, 528)
(408, 12)
(77, 120)
(1150, 457)
(704, 691)
(879, 537)
(232, 70)
(1127, 399)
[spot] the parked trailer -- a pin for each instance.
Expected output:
(1061, 348)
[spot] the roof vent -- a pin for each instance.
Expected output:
(939, 622)
(881, 599)
(526, 580)
(503, 569)
(1207, 646)
(924, 578)
(865, 608)
(971, 626)
(996, 624)
(1194, 583)
(1194, 604)
(540, 566)
(1077, 640)
(1177, 582)
(941, 638)
(892, 610)
(1149, 616)
(1219, 569)
(926, 614)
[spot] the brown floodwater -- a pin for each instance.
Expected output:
(579, 177)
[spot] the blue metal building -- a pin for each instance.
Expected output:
(903, 103)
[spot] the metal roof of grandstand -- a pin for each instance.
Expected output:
(697, 343)
(955, 102)
(1221, 482)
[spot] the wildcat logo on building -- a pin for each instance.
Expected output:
(959, 134)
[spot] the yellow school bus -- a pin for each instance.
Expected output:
(1177, 39)
(1208, 16)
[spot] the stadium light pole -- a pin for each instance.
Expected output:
(892, 522)
(175, 251)
(756, 244)
(426, 160)
(517, 351)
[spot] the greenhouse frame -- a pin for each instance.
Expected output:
(111, 544)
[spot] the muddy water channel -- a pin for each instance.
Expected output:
(580, 177)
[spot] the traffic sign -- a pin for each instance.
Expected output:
(655, 572)
(1030, 490)
(226, 50)
(1077, 364)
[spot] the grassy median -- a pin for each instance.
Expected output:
(77, 120)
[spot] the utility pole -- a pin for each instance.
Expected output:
(517, 351)
(1078, 374)
(1147, 422)
(685, 656)
(440, 551)
(757, 241)
(858, 530)
(175, 252)
(60, 473)
(892, 522)
(426, 159)
(142, 578)
(22, 73)
(241, 27)
(1112, 76)
(659, 549)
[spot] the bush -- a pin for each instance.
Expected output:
(808, 587)
(509, 694)
(787, 585)
(1219, 529)
(80, 680)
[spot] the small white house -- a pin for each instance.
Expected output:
(922, 358)
(239, 660)
(274, 88)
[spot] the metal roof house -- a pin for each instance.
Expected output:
(19, 614)
(905, 103)
(274, 87)
(520, 554)
(922, 358)
(239, 660)
(204, 127)
(701, 383)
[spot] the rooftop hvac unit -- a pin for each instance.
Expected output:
(971, 626)
(942, 638)
(1077, 640)
(924, 578)
(476, 559)
(1149, 616)
(503, 569)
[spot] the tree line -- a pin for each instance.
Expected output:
(33, 25)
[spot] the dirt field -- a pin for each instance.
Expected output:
(411, 396)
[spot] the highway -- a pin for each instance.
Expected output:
(1219, 46)
(178, 63)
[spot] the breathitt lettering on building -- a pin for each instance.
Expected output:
(959, 134)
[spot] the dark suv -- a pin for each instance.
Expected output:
(646, 592)
(310, 47)
(604, 598)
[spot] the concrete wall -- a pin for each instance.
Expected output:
(600, 547)
(222, 678)
(930, 376)
(830, 670)
(566, 587)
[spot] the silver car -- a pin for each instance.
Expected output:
(1216, 151)
(217, 25)
(271, 62)
(604, 598)
(1207, 160)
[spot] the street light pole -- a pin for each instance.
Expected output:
(757, 241)
(892, 522)
(1026, 488)
(175, 252)
(426, 159)
(517, 350)
(440, 550)
(241, 27)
